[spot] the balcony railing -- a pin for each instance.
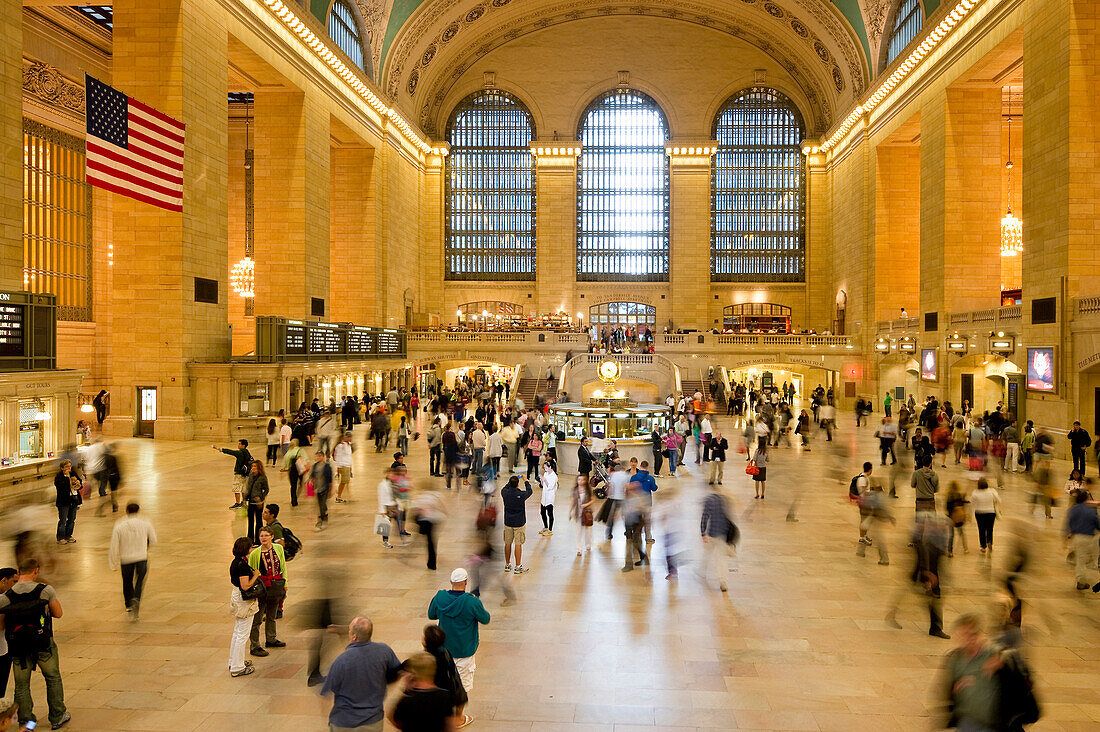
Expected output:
(988, 319)
(670, 342)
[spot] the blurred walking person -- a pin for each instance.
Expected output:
(130, 541)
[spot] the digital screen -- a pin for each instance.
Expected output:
(279, 339)
(360, 341)
(1040, 369)
(325, 338)
(11, 330)
(928, 365)
(389, 342)
(296, 339)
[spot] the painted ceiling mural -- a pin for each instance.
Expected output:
(419, 48)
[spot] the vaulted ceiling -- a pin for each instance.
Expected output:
(420, 48)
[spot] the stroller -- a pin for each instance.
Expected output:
(600, 475)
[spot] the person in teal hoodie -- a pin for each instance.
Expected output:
(459, 613)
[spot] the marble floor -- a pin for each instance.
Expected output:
(798, 643)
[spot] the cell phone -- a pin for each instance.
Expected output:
(30, 725)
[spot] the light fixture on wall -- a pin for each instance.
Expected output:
(243, 278)
(1012, 229)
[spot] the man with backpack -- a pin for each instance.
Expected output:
(241, 468)
(27, 611)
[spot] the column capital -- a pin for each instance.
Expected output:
(556, 154)
(690, 152)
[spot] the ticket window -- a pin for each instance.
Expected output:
(147, 410)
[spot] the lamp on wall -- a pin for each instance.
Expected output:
(243, 277)
(1012, 229)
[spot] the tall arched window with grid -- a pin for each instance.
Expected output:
(490, 198)
(622, 190)
(758, 202)
(344, 30)
(908, 19)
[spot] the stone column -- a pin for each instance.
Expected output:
(897, 231)
(819, 292)
(172, 55)
(556, 226)
(292, 203)
(689, 231)
(11, 145)
(433, 231)
(960, 263)
(354, 285)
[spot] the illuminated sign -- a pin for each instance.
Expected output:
(1040, 369)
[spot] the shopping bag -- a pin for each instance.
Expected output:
(381, 525)
(309, 489)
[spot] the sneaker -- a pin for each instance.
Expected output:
(519, 569)
(387, 545)
(548, 533)
(260, 652)
(507, 567)
(723, 587)
(1096, 587)
(235, 505)
(885, 564)
(243, 672)
(275, 644)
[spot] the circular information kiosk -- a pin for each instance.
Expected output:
(608, 414)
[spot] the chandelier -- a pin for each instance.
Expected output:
(1012, 229)
(243, 278)
(1012, 235)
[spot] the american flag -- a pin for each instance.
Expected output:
(133, 149)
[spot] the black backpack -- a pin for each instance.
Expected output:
(28, 624)
(291, 544)
(853, 487)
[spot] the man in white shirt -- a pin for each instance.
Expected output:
(616, 493)
(130, 542)
(510, 435)
(478, 439)
(704, 436)
(341, 458)
(286, 434)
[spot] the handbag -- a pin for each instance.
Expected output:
(309, 488)
(751, 468)
(586, 516)
(381, 525)
(977, 463)
(255, 592)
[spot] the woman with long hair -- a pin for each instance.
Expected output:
(273, 440)
(580, 510)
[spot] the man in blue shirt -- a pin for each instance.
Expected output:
(647, 487)
(358, 679)
(1082, 523)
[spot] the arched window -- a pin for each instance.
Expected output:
(908, 20)
(758, 202)
(622, 190)
(490, 201)
(626, 314)
(344, 30)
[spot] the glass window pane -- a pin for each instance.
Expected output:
(758, 208)
(622, 190)
(490, 201)
(907, 24)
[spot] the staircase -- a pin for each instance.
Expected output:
(529, 388)
(690, 387)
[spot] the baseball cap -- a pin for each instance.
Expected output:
(459, 575)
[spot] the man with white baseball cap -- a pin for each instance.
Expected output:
(459, 613)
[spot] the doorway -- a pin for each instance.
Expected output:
(966, 384)
(147, 410)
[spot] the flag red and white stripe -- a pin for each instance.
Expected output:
(132, 149)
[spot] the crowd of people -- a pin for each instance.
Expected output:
(501, 453)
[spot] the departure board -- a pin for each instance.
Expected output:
(12, 340)
(28, 331)
(283, 339)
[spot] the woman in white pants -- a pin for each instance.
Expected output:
(580, 510)
(242, 577)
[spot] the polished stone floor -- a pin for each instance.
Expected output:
(798, 643)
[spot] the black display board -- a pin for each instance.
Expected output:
(283, 339)
(28, 331)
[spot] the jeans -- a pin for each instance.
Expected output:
(452, 474)
(273, 453)
(985, 528)
(616, 506)
(66, 518)
(435, 455)
(1084, 557)
(322, 506)
(672, 455)
(269, 606)
(532, 466)
(255, 521)
(426, 530)
(50, 666)
(5, 671)
(634, 546)
(658, 461)
(547, 513)
(238, 642)
(495, 462)
(1078, 460)
(886, 447)
(133, 581)
(371, 727)
(961, 531)
(477, 460)
(295, 479)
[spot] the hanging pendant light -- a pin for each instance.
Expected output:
(243, 278)
(1012, 229)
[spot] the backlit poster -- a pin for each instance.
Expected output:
(928, 365)
(1040, 369)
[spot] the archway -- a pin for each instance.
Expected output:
(986, 380)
